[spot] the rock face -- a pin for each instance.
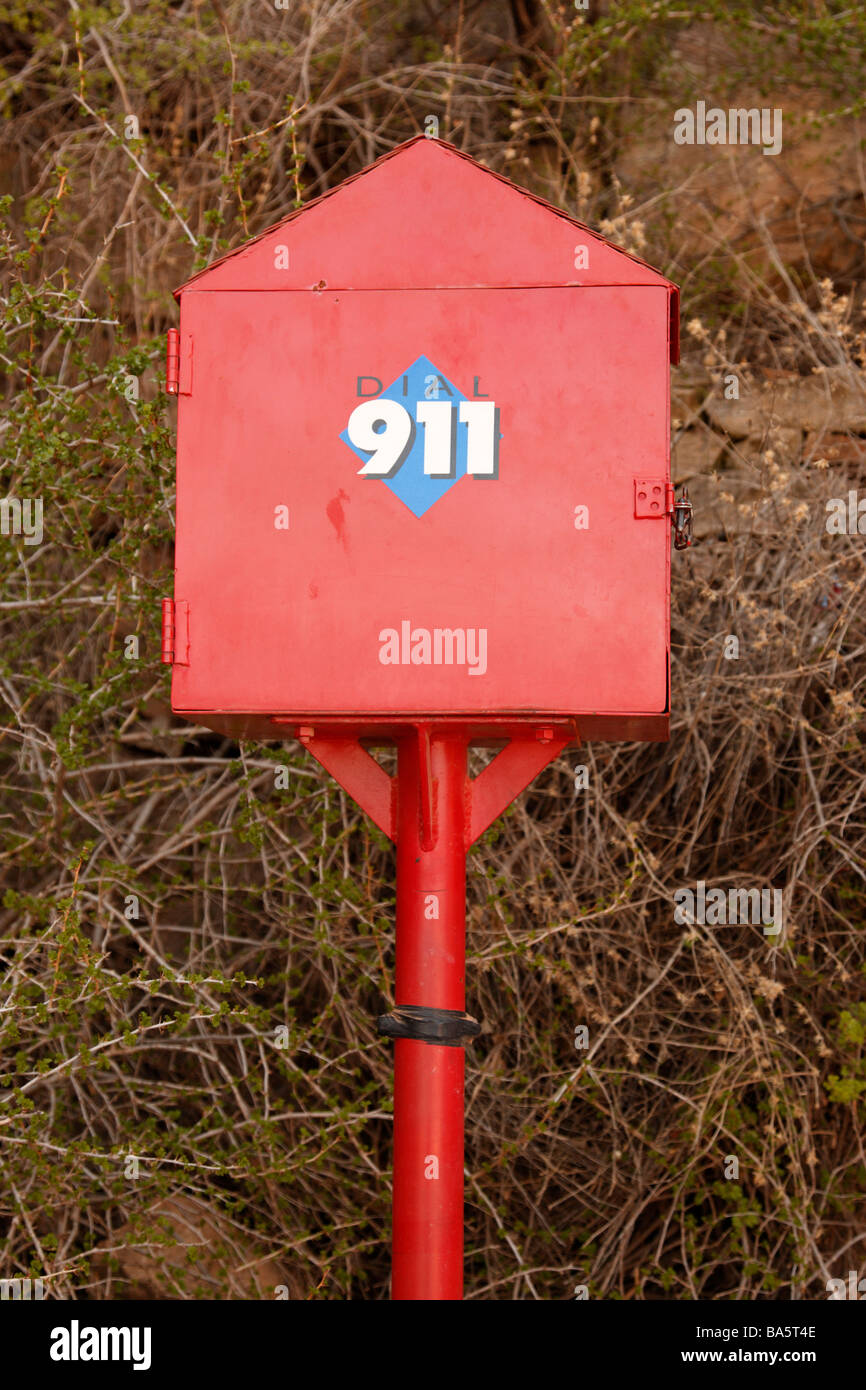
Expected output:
(834, 399)
(801, 208)
(755, 217)
(759, 463)
(695, 453)
(183, 1248)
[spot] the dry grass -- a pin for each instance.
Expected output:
(259, 909)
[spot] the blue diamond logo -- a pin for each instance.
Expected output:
(416, 489)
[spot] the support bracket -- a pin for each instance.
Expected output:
(360, 775)
(510, 773)
(485, 797)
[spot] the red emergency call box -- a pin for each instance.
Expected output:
(423, 467)
(423, 497)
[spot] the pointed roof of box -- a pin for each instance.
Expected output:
(427, 216)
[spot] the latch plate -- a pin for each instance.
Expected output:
(653, 497)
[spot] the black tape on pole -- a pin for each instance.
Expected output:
(444, 1027)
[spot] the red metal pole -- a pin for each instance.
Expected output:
(427, 1240)
(435, 814)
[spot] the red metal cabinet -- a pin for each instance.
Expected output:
(423, 466)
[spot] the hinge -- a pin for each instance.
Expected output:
(653, 497)
(175, 632)
(178, 363)
(167, 625)
(172, 377)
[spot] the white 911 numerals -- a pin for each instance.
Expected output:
(384, 428)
